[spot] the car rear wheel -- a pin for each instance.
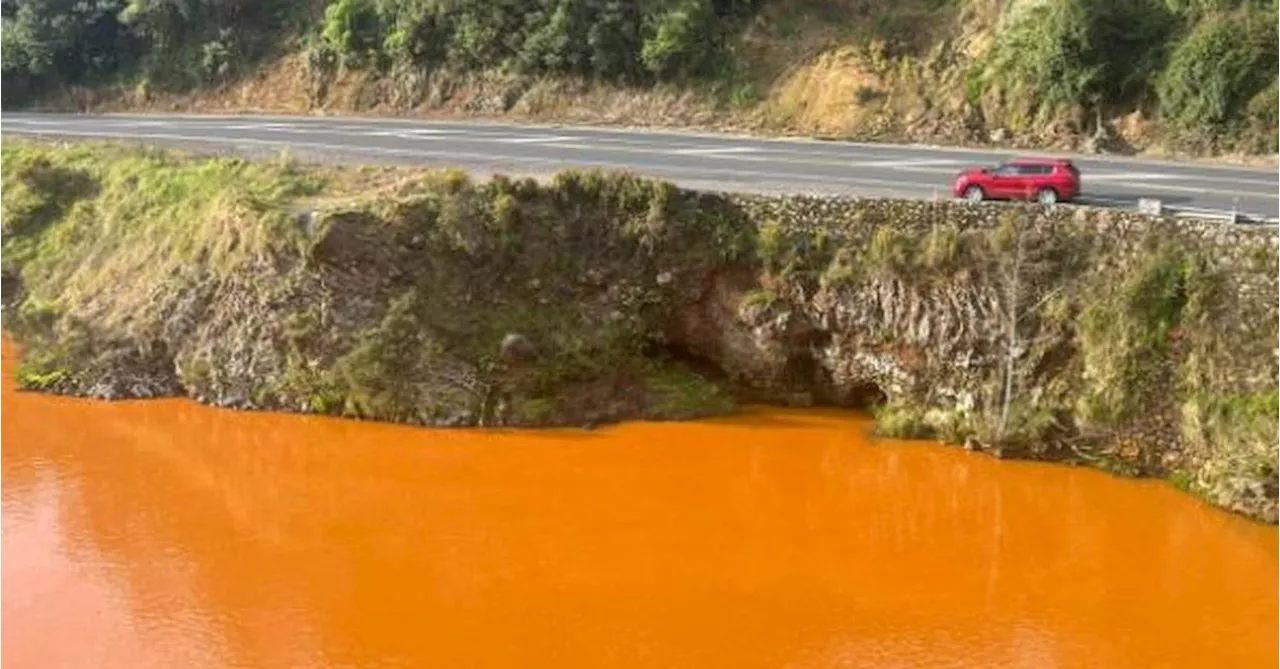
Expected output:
(1048, 196)
(974, 194)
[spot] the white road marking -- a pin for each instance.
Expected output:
(33, 121)
(532, 140)
(1120, 176)
(407, 134)
(149, 124)
(907, 164)
(713, 151)
(274, 127)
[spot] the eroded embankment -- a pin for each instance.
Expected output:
(1138, 344)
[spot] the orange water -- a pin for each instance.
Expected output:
(166, 534)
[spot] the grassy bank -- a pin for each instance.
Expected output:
(370, 293)
(1140, 345)
(1140, 75)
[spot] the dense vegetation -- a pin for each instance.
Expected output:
(1205, 68)
(610, 39)
(1209, 65)
(174, 43)
(183, 43)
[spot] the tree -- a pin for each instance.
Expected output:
(683, 40)
(63, 39)
(1021, 268)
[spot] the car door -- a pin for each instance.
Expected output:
(1036, 178)
(1006, 181)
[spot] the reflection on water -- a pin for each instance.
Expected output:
(166, 534)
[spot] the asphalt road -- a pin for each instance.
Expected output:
(723, 162)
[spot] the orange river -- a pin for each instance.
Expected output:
(168, 534)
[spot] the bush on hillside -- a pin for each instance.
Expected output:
(351, 26)
(173, 43)
(1263, 106)
(54, 41)
(1086, 54)
(606, 39)
(1220, 72)
(678, 44)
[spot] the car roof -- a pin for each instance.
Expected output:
(1038, 161)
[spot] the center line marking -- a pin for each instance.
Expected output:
(409, 134)
(533, 140)
(898, 164)
(712, 152)
(1140, 176)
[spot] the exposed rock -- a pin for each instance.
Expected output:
(517, 348)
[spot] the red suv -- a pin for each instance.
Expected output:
(1048, 180)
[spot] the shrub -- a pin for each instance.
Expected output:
(687, 41)
(1262, 119)
(614, 40)
(1126, 332)
(559, 44)
(1215, 73)
(351, 26)
(1263, 108)
(1044, 50)
(1055, 55)
(419, 37)
(215, 59)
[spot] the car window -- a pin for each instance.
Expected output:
(1007, 171)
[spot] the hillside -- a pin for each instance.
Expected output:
(1156, 76)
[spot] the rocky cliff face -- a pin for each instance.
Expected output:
(1142, 345)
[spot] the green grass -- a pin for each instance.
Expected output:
(1126, 333)
(1238, 431)
(110, 224)
(902, 421)
(36, 376)
(128, 240)
(681, 393)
